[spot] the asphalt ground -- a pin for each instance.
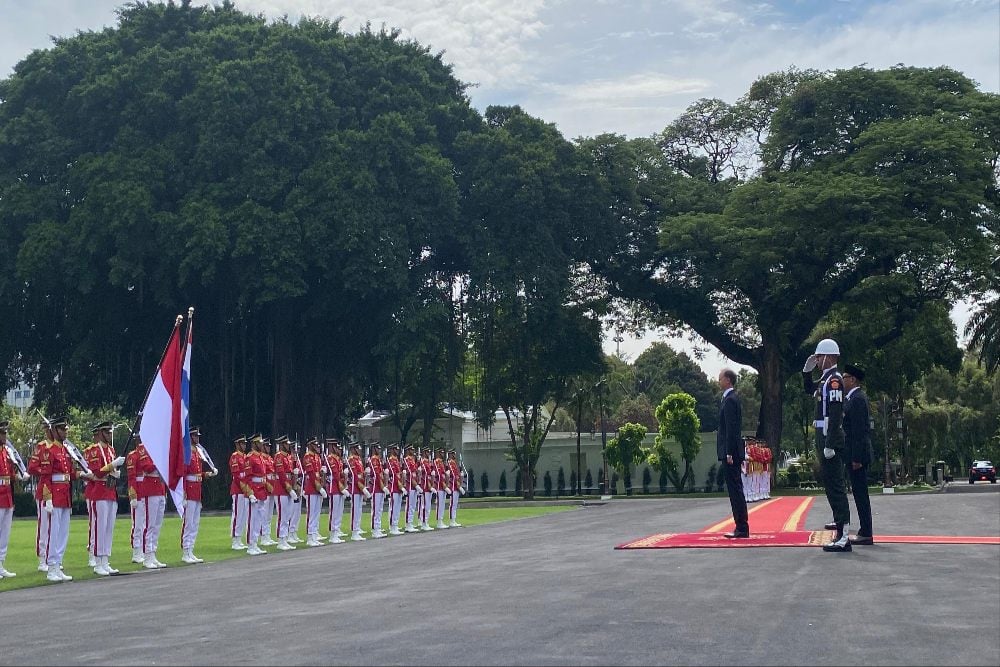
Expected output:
(549, 591)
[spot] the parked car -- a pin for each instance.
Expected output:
(982, 470)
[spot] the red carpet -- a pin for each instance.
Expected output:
(778, 522)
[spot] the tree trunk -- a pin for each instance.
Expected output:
(772, 389)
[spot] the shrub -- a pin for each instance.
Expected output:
(517, 482)
(560, 483)
(588, 482)
(781, 480)
(710, 479)
(502, 485)
(614, 482)
(472, 484)
(720, 479)
(572, 482)
(647, 479)
(663, 480)
(600, 480)
(792, 476)
(24, 504)
(484, 484)
(547, 482)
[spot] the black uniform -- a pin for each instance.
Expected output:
(830, 435)
(729, 442)
(858, 449)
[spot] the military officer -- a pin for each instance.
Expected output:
(394, 470)
(239, 492)
(356, 480)
(858, 449)
(830, 435)
(375, 472)
(102, 496)
(456, 489)
(314, 489)
(41, 516)
(443, 477)
(336, 489)
(258, 494)
(198, 469)
(152, 495)
(429, 482)
(411, 488)
(272, 498)
(9, 471)
(284, 490)
(138, 510)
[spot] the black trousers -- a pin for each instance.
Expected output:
(836, 488)
(734, 485)
(859, 488)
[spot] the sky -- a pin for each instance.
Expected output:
(622, 66)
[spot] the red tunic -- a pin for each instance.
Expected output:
(394, 470)
(411, 469)
(33, 464)
(130, 460)
(430, 475)
(312, 465)
(375, 468)
(237, 472)
(193, 475)
(357, 477)
(55, 471)
(337, 467)
(443, 484)
(148, 482)
(257, 475)
(456, 475)
(99, 456)
(283, 464)
(7, 472)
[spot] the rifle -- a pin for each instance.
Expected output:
(71, 449)
(203, 453)
(15, 457)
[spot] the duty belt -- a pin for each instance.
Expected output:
(60, 477)
(4, 481)
(192, 478)
(257, 480)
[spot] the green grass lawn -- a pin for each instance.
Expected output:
(213, 542)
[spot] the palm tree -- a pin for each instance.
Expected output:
(983, 328)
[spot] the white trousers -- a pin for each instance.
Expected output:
(102, 526)
(286, 509)
(356, 513)
(336, 512)
(378, 502)
(314, 506)
(6, 516)
(190, 523)
(90, 526)
(296, 516)
(41, 530)
(395, 509)
(240, 516)
(272, 508)
(155, 507)
(258, 513)
(440, 505)
(425, 508)
(58, 535)
(138, 524)
(453, 507)
(411, 505)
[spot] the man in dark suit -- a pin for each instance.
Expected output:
(858, 446)
(731, 451)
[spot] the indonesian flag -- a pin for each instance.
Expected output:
(161, 427)
(186, 391)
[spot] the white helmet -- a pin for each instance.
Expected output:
(827, 346)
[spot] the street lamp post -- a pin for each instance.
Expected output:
(600, 386)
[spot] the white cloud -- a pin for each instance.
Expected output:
(649, 87)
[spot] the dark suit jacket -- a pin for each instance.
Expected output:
(857, 429)
(729, 440)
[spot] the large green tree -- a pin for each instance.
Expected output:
(660, 371)
(862, 180)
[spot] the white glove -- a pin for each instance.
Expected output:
(118, 462)
(48, 506)
(132, 503)
(294, 496)
(461, 490)
(810, 363)
(323, 493)
(24, 477)
(828, 453)
(366, 492)
(253, 500)
(345, 493)
(419, 489)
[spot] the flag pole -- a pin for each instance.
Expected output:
(138, 417)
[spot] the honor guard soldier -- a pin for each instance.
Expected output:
(410, 487)
(336, 489)
(102, 496)
(138, 510)
(377, 487)
(258, 494)
(443, 482)
(10, 469)
(429, 482)
(456, 489)
(284, 490)
(152, 495)
(293, 528)
(41, 516)
(194, 473)
(272, 499)
(55, 472)
(356, 479)
(394, 469)
(315, 489)
(239, 492)
(830, 435)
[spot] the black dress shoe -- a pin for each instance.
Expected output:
(737, 536)
(862, 539)
(831, 526)
(837, 546)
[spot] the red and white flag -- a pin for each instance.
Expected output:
(161, 428)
